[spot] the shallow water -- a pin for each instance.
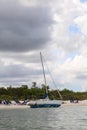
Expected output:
(63, 118)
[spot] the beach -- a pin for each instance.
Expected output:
(80, 103)
(65, 103)
(13, 106)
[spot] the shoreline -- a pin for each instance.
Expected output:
(14, 106)
(80, 103)
(65, 103)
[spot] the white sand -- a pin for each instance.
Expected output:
(65, 103)
(14, 106)
(80, 103)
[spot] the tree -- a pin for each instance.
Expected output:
(34, 84)
(24, 86)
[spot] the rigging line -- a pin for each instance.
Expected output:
(53, 79)
(43, 72)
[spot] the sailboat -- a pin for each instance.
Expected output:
(46, 102)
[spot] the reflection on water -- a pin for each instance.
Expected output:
(63, 118)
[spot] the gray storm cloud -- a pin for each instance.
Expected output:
(24, 28)
(16, 71)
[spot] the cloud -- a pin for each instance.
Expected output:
(18, 74)
(71, 13)
(72, 73)
(56, 28)
(17, 71)
(24, 28)
(82, 76)
(82, 23)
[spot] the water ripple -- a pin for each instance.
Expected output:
(63, 118)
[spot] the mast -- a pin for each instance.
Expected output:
(53, 80)
(44, 73)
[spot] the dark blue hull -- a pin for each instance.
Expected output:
(44, 105)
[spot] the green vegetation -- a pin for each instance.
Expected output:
(35, 92)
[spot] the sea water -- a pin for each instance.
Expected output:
(62, 118)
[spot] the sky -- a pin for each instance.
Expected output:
(57, 28)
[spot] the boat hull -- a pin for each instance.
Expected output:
(44, 105)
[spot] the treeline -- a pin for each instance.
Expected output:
(23, 92)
